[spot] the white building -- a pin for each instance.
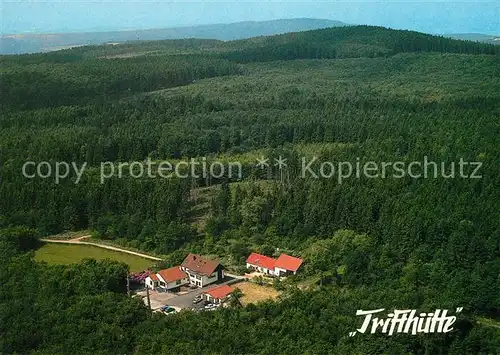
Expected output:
(152, 281)
(284, 265)
(261, 263)
(167, 279)
(202, 271)
(218, 294)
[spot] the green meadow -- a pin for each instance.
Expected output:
(53, 253)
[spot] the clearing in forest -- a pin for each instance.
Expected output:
(58, 253)
(253, 293)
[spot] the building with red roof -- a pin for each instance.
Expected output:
(261, 263)
(172, 274)
(218, 294)
(287, 264)
(195, 270)
(282, 266)
(151, 281)
(167, 279)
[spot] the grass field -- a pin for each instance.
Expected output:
(253, 293)
(53, 253)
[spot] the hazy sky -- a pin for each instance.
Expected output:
(95, 15)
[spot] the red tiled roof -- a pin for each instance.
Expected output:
(288, 262)
(220, 292)
(199, 264)
(154, 277)
(261, 260)
(172, 274)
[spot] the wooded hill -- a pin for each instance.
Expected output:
(338, 94)
(35, 42)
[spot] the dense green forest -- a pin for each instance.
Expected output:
(338, 94)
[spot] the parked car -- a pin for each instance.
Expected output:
(167, 309)
(198, 299)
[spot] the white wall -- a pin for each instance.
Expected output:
(171, 285)
(149, 282)
(174, 284)
(208, 280)
(261, 269)
(200, 280)
(279, 271)
(195, 279)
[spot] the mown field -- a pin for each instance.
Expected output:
(53, 253)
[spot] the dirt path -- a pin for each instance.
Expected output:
(79, 239)
(80, 242)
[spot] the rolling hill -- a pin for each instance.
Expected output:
(31, 43)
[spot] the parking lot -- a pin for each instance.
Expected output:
(183, 299)
(157, 299)
(186, 301)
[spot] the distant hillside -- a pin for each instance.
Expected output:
(32, 43)
(346, 42)
(477, 37)
(156, 65)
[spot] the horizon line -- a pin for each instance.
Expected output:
(5, 35)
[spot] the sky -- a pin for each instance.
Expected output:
(439, 17)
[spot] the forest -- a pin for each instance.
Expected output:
(337, 94)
